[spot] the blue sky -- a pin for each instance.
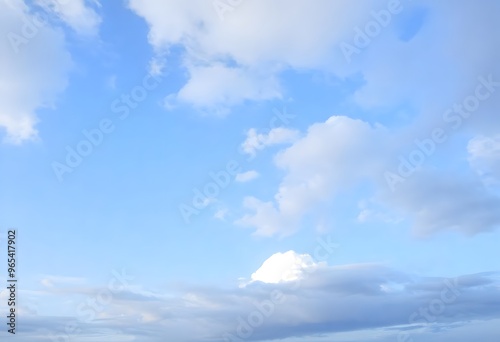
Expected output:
(251, 170)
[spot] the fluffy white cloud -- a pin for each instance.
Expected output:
(223, 57)
(331, 156)
(33, 70)
(197, 26)
(429, 69)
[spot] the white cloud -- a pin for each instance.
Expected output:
(247, 176)
(196, 25)
(77, 14)
(309, 37)
(428, 71)
(223, 57)
(284, 267)
(340, 154)
(258, 141)
(33, 71)
(331, 156)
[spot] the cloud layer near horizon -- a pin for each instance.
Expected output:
(323, 300)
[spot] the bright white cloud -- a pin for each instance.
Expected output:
(284, 267)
